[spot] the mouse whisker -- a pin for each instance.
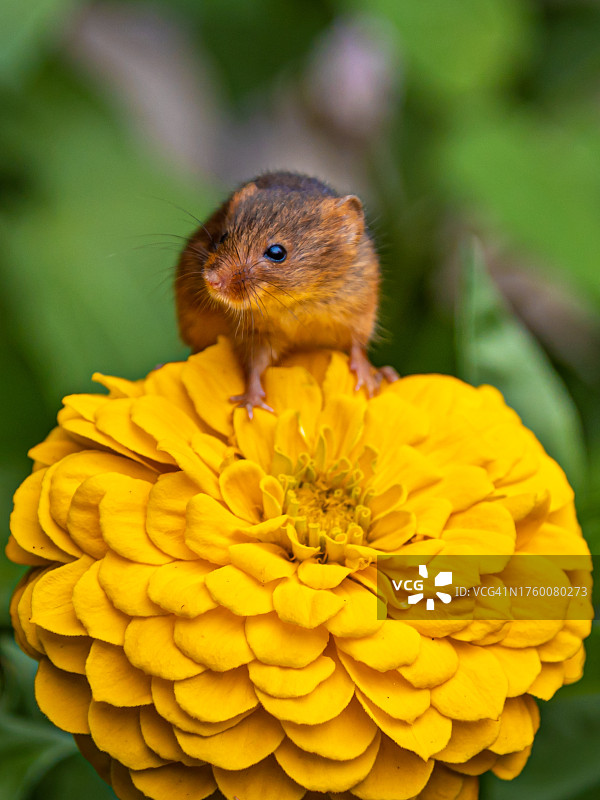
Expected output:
(280, 301)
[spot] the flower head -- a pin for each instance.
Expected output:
(203, 595)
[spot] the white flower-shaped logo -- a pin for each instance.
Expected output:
(441, 579)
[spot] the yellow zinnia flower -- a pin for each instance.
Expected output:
(202, 597)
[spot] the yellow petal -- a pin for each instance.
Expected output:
(293, 388)
(99, 760)
(564, 645)
(437, 661)
(323, 774)
(73, 470)
(303, 606)
(175, 781)
(159, 736)
(530, 632)
(161, 418)
(337, 378)
(149, 645)
(56, 532)
(216, 696)
(216, 639)
(394, 645)
(485, 697)
(424, 736)
(93, 608)
(120, 780)
(289, 440)
(548, 682)
(211, 529)
(281, 644)
(163, 694)
(290, 682)
(123, 521)
(63, 697)
(264, 561)
(166, 382)
(388, 690)
(114, 421)
(328, 700)
(88, 433)
(119, 387)
(117, 732)
(14, 552)
(25, 525)
(247, 743)
(255, 437)
(68, 653)
(509, 766)
(27, 634)
(52, 603)
(358, 616)
(322, 576)
(272, 496)
(383, 781)
(113, 679)
(468, 739)
(343, 738)
(432, 514)
(445, 784)
(56, 446)
(388, 412)
(83, 520)
(211, 378)
(518, 723)
(345, 416)
(126, 584)
(232, 588)
(258, 782)
(574, 666)
(165, 521)
(521, 666)
(463, 486)
(179, 588)
(240, 487)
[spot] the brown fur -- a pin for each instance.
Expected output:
(324, 294)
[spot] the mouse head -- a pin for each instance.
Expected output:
(278, 245)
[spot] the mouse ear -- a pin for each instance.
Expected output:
(247, 191)
(351, 210)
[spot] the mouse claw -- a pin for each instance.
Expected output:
(250, 401)
(389, 373)
(365, 374)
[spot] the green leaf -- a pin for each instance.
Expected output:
(457, 47)
(72, 777)
(84, 291)
(27, 751)
(24, 29)
(536, 181)
(494, 347)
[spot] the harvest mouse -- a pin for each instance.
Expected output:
(284, 264)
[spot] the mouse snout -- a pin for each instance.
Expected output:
(214, 279)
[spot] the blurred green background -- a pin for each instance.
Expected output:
(471, 129)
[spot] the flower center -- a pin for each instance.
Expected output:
(327, 507)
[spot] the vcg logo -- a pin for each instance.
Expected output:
(441, 579)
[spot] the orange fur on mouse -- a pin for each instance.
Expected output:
(284, 264)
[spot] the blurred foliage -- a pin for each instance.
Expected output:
(492, 130)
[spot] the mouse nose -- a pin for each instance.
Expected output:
(213, 280)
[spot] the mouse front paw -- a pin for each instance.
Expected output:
(251, 399)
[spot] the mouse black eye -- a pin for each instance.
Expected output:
(222, 239)
(276, 252)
